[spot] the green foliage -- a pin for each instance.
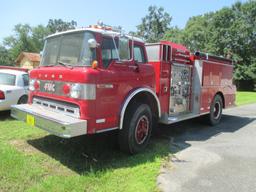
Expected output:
(20, 41)
(154, 25)
(174, 34)
(58, 25)
(230, 31)
(33, 161)
(38, 34)
(4, 56)
(243, 98)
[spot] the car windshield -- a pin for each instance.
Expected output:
(69, 49)
(7, 79)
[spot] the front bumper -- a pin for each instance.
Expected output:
(53, 122)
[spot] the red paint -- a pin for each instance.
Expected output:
(116, 82)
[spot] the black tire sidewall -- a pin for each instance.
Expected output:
(213, 120)
(23, 100)
(130, 123)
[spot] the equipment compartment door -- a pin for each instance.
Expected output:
(180, 89)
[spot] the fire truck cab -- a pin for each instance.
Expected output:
(97, 79)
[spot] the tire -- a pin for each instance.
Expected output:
(137, 128)
(216, 110)
(23, 100)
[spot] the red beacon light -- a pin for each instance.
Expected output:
(37, 85)
(66, 89)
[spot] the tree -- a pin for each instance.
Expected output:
(58, 25)
(154, 25)
(38, 34)
(4, 56)
(20, 41)
(174, 34)
(229, 31)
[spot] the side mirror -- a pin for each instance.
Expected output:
(92, 43)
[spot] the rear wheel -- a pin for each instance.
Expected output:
(216, 110)
(137, 128)
(23, 100)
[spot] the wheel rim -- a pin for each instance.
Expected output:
(216, 110)
(142, 128)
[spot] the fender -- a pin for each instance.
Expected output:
(129, 98)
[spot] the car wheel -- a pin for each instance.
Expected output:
(23, 100)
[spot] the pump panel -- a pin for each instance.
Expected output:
(180, 89)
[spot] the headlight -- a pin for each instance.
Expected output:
(75, 91)
(34, 85)
(31, 85)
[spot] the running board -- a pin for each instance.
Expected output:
(174, 119)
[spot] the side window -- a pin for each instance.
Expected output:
(153, 52)
(166, 53)
(25, 79)
(124, 49)
(108, 51)
(139, 54)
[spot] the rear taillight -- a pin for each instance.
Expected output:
(2, 96)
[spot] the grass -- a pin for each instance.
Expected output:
(243, 98)
(31, 160)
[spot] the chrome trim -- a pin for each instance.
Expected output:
(100, 120)
(109, 33)
(53, 122)
(105, 86)
(105, 130)
(183, 65)
(88, 91)
(218, 63)
(167, 120)
(129, 98)
(70, 110)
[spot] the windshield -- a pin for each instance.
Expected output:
(71, 49)
(7, 79)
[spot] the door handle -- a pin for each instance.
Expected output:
(134, 67)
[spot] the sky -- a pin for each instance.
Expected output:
(125, 13)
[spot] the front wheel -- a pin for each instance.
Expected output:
(137, 128)
(216, 110)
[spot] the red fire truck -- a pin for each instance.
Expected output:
(97, 79)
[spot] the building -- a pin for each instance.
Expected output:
(28, 60)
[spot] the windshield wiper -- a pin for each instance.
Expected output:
(47, 65)
(65, 64)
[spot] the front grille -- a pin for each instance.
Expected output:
(57, 106)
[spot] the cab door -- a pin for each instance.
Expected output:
(165, 70)
(118, 77)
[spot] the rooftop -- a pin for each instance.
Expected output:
(33, 57)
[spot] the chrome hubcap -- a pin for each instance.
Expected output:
(141, 130)
(217, 110)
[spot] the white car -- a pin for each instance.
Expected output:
(13, 88)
